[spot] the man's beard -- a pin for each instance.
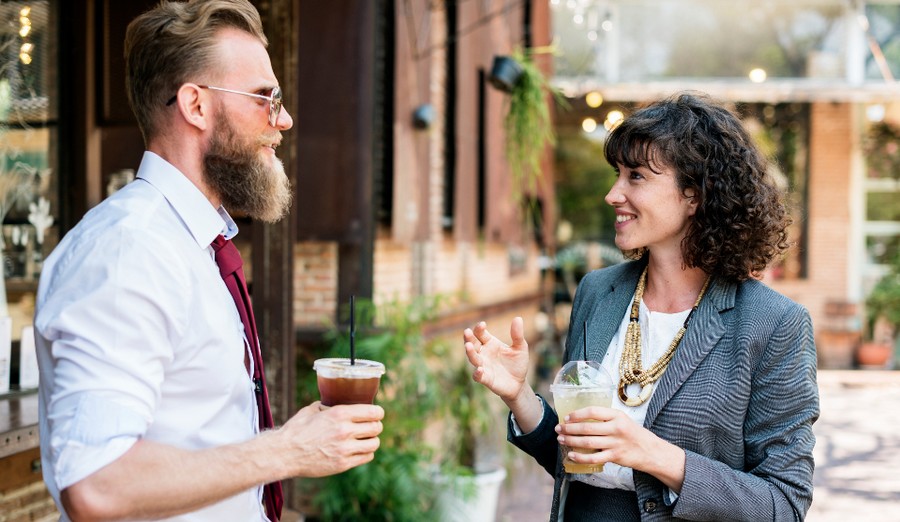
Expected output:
(234, 170)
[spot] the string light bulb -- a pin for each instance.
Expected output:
(593, 99)
(613, 119)
(757, 75)
(24, 31)
(25, 52)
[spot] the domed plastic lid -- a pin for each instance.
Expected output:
(582, 374)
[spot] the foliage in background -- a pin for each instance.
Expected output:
(397, 485)
(884, 21)
(882, 148)
(424, 382)
(678, 39)
(782, 132)
(882, 206)
(884, 300)
(779, 35)
(583, 178)
(529, 128)
(467, 415)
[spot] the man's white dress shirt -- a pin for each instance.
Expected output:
(138, 337)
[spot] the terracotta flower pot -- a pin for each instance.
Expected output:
(874, 354)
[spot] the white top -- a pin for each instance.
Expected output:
(138, 337)
(657, 331)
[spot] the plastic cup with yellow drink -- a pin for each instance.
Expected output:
(580, 384)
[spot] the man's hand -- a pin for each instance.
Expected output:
(318, 442)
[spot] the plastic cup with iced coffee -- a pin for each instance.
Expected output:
(341, 382)
(580, 384)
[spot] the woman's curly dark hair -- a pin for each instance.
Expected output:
(741, 220)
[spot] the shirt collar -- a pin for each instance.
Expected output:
(230, 229)
(202, 220)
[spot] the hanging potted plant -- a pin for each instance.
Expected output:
(528, 126)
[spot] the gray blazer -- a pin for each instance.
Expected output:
(740, 397)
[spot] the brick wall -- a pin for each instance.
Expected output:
(23, 495)
(473, 273)
(393, 271)
(28, 504)
(315, 283)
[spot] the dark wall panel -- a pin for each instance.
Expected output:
(333, 118)
(115, 17)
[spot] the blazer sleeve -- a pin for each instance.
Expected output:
(540, 442)
(776, 483)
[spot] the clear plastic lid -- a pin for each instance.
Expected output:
(340, 368)
(578, 374)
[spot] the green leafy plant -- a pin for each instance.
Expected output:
(581, 176)
(467, 414)
(397, 486)
(884, 300)
(468, 476)
(529, 128)
(882, 146)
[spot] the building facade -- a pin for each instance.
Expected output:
(396, 158)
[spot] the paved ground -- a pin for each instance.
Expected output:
(857, 456)
(858, 448)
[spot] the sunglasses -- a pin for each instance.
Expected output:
(274, 99)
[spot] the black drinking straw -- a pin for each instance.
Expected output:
(352, 332)
(585, 341)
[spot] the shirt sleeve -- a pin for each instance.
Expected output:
(111, 315)
(90, 434)
(517, 430)
(541, 442)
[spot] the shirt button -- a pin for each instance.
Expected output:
(650, 505)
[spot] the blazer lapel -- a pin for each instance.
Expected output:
(606, 314)
(703, 332)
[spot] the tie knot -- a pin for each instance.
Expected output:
(227, 256)
(219, 242)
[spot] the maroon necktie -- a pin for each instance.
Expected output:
(231, 268)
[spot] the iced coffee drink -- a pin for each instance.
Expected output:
(343, 383)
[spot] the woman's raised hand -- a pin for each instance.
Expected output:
(500, 367)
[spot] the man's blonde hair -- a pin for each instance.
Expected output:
(172, 44)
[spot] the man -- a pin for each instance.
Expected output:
(147, 405)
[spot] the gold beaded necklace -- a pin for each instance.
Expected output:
(630, 366)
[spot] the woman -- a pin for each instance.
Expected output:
(716, 397)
